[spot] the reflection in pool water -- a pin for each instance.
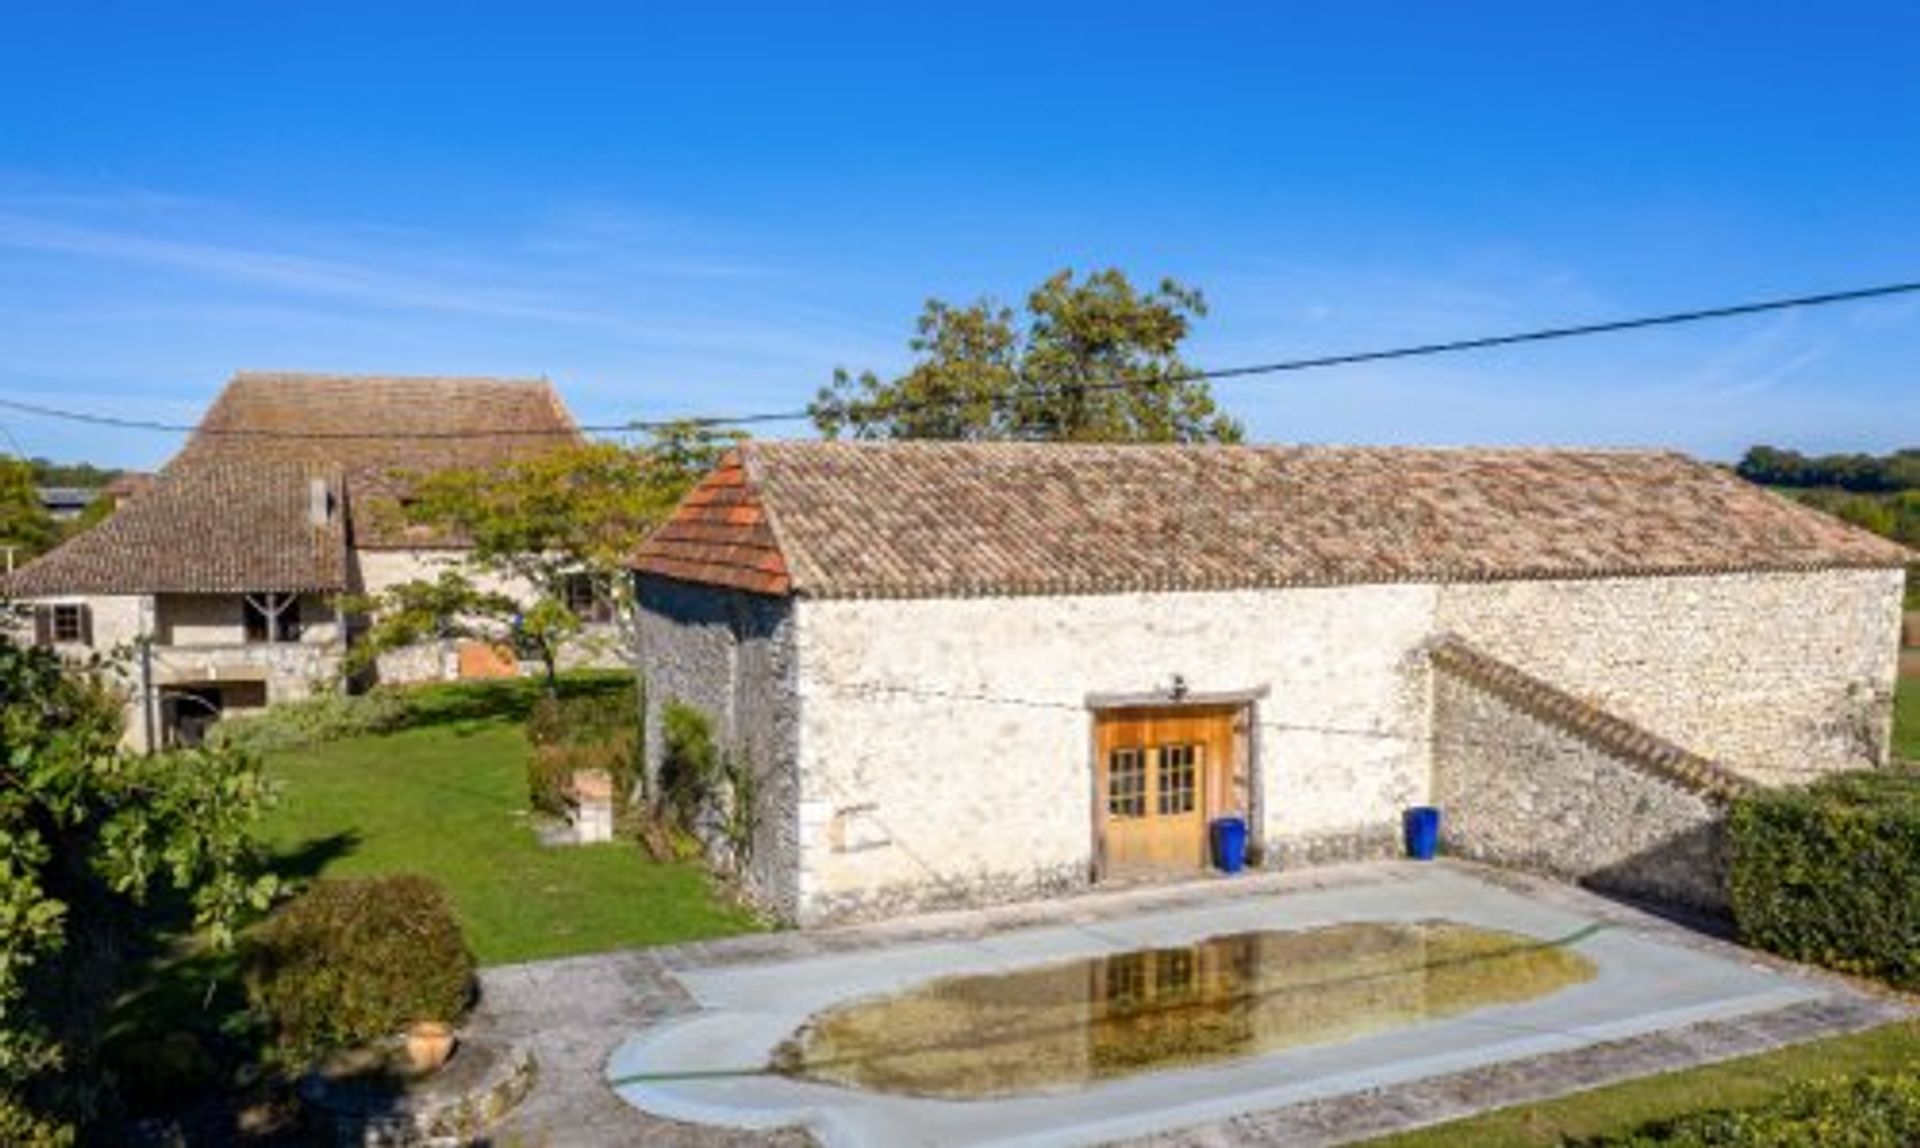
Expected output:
(1060, 1025)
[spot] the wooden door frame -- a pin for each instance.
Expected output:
(1245, 706)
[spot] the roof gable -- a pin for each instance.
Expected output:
(919, 519)
(721, 535)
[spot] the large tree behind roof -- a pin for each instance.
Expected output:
(1089, 360)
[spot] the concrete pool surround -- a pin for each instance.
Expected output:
(710, 1066)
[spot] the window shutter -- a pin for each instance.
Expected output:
(86, 624)
(43, 626)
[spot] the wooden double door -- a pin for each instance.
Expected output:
(1162, 775)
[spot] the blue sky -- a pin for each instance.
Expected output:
(705, 208)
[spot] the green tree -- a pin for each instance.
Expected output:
(25, 525)
(540, 530)
(1096, 360)
(87, 833)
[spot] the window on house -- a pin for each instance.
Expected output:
(1178, 774)
(586, 601)
(1127, 783)
(271, 617)
(69, 623)
(64, 624)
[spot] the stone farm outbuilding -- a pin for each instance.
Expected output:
(967, 672)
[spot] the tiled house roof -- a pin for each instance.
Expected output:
(230, 511)
(376, 428)
(220, 527)
(851, 519)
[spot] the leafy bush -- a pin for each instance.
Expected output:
(550, 769)
(355, 960)
(581, 718)
(314, 721)
(1864, 1112)
(21, 1127)
(1831, 873)
(582, 731)
(704, 790)
(690, 765)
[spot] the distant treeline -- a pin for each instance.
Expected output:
(1859, 473)
(83, 474)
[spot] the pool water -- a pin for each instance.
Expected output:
(1069, 1024)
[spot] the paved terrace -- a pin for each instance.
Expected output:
(577, 1014)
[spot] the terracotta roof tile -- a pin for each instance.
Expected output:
(376, 428)
(719, 535)
(229, 512)
(852, 519)
(221, 527)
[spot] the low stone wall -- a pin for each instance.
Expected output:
(1527, 777)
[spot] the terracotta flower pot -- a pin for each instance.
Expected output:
(429, 1044)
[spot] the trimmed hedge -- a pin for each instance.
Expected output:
(1830, 874)
(1864, 1112)
(355, 960)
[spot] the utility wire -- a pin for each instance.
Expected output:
(1284, 366)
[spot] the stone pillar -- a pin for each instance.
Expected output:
(592, 806)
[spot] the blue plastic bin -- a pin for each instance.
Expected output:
(1229, 843)
(1423, 832)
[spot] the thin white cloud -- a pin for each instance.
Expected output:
(271, 268)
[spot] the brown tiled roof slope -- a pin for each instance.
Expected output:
(378, 428)
(1612, 734)
(379, 423)
(719, 535)
(854, 519)
(224, 526)
(229, 512)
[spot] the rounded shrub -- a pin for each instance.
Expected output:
(1831, 874)
(353, 961)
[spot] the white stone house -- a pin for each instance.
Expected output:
(227, 566)
(966, 672)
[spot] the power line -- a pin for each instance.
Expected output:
(1284, 366)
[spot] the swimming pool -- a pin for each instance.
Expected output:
(764, 1051)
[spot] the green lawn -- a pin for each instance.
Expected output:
(1619, 1108)
(448, 799)
(1906, 719)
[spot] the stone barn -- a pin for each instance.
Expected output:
(969, 672)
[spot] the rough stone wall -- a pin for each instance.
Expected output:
(597, 646)
(1779, 676)
(118, 620)
(945, 744)
(731, 656)
(1520, 791)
